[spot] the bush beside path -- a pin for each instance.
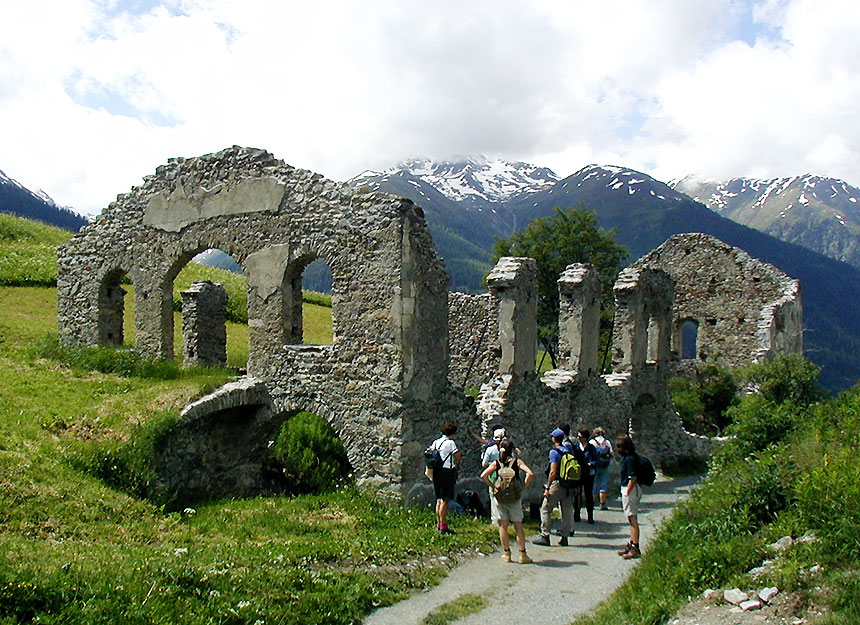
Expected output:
(561, 584)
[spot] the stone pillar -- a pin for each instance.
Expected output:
(204, 324)
(513, 281)
(579, 319)
(630, 323)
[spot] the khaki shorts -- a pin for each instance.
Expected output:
(630, 503)
(511, 511)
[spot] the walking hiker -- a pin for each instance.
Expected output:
(556, 492)
(445, 477)
(512, 477)
(631, 493)
(604, 460)
(586, 455)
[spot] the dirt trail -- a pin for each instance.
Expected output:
(563, 582)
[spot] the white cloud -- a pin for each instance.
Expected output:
(93, 95)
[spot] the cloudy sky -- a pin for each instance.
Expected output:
(95, 94)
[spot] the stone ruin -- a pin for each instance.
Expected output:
(403, 348)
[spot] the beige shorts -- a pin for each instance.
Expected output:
(511, 511)
(630, 503)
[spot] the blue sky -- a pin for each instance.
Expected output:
(95, 94)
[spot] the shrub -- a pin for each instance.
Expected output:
(702, 402)
(313, 457)
(787, 378)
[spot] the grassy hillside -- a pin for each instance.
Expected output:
(792, 469)
(74, 549)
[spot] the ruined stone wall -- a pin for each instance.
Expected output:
(473, 339)
(204, 324)
(745, 308)
(389, 299)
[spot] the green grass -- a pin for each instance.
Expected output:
(74, 549)
(449, 612)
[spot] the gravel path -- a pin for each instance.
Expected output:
(563, 582)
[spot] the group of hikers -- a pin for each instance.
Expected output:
(577, 471)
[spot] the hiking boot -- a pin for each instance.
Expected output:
(562, 542)
(591, 521)
(603, 506)
(506, 556)
(446, 530)
(626, 549)
(524, 558)
(542, 540)
(633, 553)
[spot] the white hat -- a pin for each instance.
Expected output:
(499, 434)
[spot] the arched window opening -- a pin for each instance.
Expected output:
(308, 311)
(210, 304)
(689, 339)
(113, 319)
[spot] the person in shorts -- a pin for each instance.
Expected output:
(631, 494)
(506, 512)
(445, 479)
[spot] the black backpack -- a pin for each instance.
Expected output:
(645, 473)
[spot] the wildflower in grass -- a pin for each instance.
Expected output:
(243, 604)
(180, 551)
(189, 511)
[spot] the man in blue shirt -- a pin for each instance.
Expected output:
(556, 494)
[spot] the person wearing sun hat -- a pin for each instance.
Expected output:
(555, 494)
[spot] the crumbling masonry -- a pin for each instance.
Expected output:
(403, 348)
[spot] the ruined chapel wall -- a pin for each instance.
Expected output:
(729, 294)
(388, 302)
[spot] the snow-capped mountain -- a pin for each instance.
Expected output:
(18, 200)
(475, 179)
(822, 214)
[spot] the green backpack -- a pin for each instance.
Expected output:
(569, 470)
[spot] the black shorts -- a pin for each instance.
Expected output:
(443, 483)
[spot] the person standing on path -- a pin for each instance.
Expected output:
(489, 456)
(586, 455)
(506, 512)
(631, 494)
(604, 460)
(445, 478)
(554, 494)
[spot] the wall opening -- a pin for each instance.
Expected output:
(307, 312)
(308, 457)
(689, 339)
(219, 267)
(111, 316)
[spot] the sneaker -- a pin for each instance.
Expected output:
(542, 540)
(446, 530)
(524, 558)
(626, 549)
(506, 556)
(603, 506)
(633, 553)
(562, 542)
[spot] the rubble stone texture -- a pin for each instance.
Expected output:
(204, 324)
(394, 371)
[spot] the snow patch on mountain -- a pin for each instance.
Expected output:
(475, 178)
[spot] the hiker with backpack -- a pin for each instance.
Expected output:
(512, 477)
(631, 493)
(563, 476)
(443, 457)
(604, 460)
